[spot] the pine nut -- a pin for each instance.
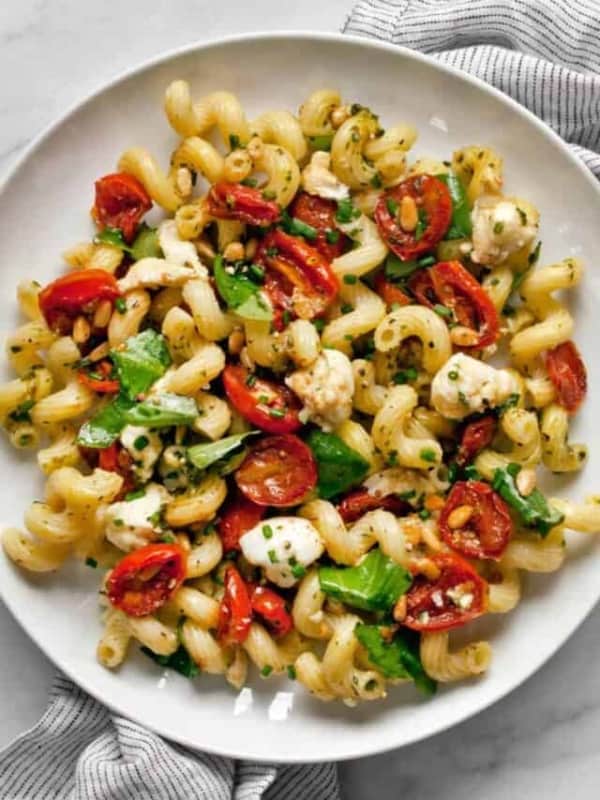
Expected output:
(205, 249)
(409, 216)
(183, 182)
(460, 516)
(251, 247)
(434, 502)
(103, 314)
(81, 330)
(100, 352)
(526, 481)
(425, 566)
(339, 115)
(400, 609)
(234, 252)
(462, 336)
(184, 542)
(235, 342)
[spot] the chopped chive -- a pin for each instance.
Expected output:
(291, 672)
(267, 531)
(272, 556)
(428, 455)
(266, 670)
(251, 379)
(498, 227)
(91, 562)
(405, 375)
(350, 279)
(424, 513)
(453, 375)
(332, 236)
(257, 272)
(234, 141)
(392, 206)
(443, 311)
(277, 413)
(141, 442)
(120, 305)
(298, 571)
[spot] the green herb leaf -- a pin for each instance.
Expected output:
(162, 411)
(460, 224)
(346, 211)
(534, 510)
(146, 244)
(103, 428)
(374, 585)
(240, 293)
(339, 467)
(397, 270)
(205, 455)
(398, 658)
(180, 661)
(21, 412)
(113, 236)
(296, 227)
(141, 361)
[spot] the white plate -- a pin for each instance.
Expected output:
(43, 210)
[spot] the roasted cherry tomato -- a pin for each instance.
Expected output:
(279, 471)
(116, 459)
(121, 202)
(270, 406)
(98, 378)
(450, 284)
(237, 517)
(73, 294)
(456, 597)
(568, 374)
(357, 503)
(145, 579)
(235, 612)
(434, 209)
(272, 608)
(487, 531)
(299, 278)
(389, 292)
(320, 213)
(476, 435)
(235, 201)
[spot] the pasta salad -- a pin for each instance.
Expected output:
(270, 416)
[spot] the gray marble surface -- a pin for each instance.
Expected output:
(543, 741)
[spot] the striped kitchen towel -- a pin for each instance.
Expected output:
(79, 750)
(543, 53)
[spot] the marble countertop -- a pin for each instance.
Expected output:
(544, 739)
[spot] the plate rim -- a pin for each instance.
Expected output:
(163, 57)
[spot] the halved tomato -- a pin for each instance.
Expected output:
(116, 459)
(97, 378)
(320, 213)
(272, 608)
(270, 406)
(235, 611)
(121, 202)
(357, 503)
(487, 531)
(236, 518)
(476, 435)
(76, 293)
(456, 597)
(449, 284)
(145, 579)
(434, 209)
(568, 374)
(244, 203)
(279, 471)
(390, 293)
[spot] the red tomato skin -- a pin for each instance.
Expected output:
(243, 203)
(123, 585)
(490, 528)
(357, 503)
(567, 372)
(245, 400)
(432, 196)
(476, 435)
(237, 518)
(235, 611)
(389, 292)
(454, 572)
(70, 295)
(102, 386)
(121, 201)
(272, 608)
(320, 213)
(450, 284)
(279, 471)
(299, 269)
(116, 459)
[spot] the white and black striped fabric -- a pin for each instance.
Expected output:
(79, 750)
(546, 55)
(543, 53)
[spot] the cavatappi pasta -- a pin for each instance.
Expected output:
(272, 419)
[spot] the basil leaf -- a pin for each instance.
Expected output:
(339, 467)
(374, 585)
(162, 411)
(396, 270)
(398, 658)
(204, 455)
(460, 224)
(146, 244)
(102, 429)
(180, 661)
(141, 361)
(240, 293)
(113, 236)
(534, 510)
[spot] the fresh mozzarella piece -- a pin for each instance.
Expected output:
(131, 524)
(153, 273)
(317, 178)
(283, 547)
(465, 385)
(144, 446)
(173, 468)
(500, 228)
(326, 388)
(176, 250)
